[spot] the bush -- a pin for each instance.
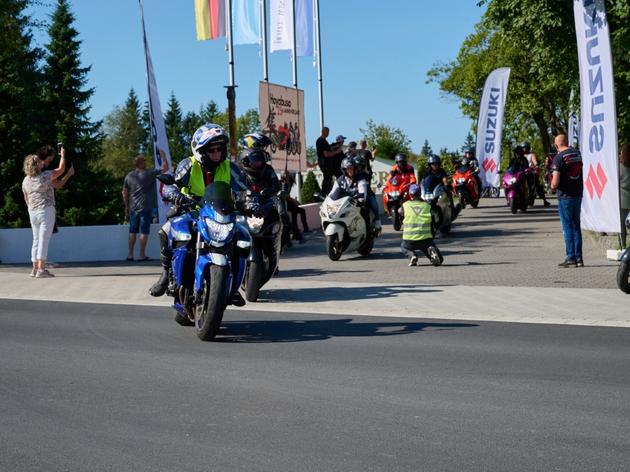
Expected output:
(309, 187)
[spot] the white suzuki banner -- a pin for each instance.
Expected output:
(158, 130)
(574, 126)
(490, 126)
(598, 135)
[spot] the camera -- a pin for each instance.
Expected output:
(59, 146)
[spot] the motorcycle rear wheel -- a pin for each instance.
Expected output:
(253, 281)
(209, 314)
(623, 276)
(333, 247)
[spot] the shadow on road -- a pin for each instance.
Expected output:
(314, 272)
(329, 294)
(319, 330)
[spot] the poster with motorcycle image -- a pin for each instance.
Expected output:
(282, 120)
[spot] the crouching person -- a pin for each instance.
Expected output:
(417, 235)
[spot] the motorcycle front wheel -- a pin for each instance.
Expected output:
(209, 313)
(254, 281)
(623, 274)
(333, 247)
(396, 220)
(513, 206)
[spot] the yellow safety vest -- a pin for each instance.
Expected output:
(417, 222)
(196, 182)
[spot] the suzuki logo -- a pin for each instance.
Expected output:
(595, 181)
(489, 165)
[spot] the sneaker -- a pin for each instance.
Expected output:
(546, 204)
(435, 257)
(579, 263)
(568, 263)
(43, 274)
(413, 261)
(33, 272)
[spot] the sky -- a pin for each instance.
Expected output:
(375, 62)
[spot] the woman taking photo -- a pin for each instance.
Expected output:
(38, 188)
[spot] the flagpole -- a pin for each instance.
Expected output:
(231, 89)
(319, 66)
(263, 16)
(294, 52)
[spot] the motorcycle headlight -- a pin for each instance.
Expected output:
(427, 197)
(331, 210)
(512, 181)
(461, 181)
(255, 223)
(218, 232)
(394, 194)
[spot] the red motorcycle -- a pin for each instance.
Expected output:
(395, 193)
(465, 185)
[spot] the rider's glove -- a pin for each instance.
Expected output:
(183, 200)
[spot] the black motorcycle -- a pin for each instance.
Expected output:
(265, 228)
(623, 273)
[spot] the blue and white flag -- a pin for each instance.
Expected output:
(304, 14)
(490, 126)
(158, 130)
(598, 136)
(246, 21)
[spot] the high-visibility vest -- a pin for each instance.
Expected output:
(417, 222)
(196, 183)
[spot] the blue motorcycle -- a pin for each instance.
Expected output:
(206, 239)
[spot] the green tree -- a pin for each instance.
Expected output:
(309, 187)
(248, 122)
(469, 143)
(20, 114)
(91, 197)
(125, 137)
(426, 150)
(173, 122)
(387, 141)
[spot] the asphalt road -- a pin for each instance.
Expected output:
(87, 387)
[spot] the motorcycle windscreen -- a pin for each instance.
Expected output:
(218, 195)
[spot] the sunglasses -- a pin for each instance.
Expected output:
(212, 150)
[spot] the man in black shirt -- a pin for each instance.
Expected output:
(325, 160)
(567, 181)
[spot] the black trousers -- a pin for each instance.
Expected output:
(294, 208)
(411, 248)
(331, 168)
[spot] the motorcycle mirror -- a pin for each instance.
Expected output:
(166, 179)
(319, 196)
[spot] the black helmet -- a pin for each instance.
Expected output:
(469, 150)
(526, 146)
(359, 162)
(346, 163)
(434, 159)
(464, 161)
(519, 151)
(400, 157)
(254, 162)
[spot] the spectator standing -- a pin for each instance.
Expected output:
(367, 155)
(293, 206)
(39, 195)
(138, 191)
(325, 160)
(337, 148)
(567, 181)
(624, 186)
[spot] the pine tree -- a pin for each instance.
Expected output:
(125, 137)
(426, 150)
(91, 197)
(309, 187)
(20, 112)
(469, 143)
(174, 130)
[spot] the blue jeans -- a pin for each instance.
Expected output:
(140, 222)
(569, 209)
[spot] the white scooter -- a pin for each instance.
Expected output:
(344, 227)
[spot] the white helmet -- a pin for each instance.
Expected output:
(206, 136)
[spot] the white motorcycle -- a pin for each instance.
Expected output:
(442, 214)
(345, 229)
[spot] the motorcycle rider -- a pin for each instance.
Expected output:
(533, 163)
(354, 184)
(402, 170)
(417, 235)
(518, 162)
(208, 164)
(362, 172)
(473, 164)
(436, 175)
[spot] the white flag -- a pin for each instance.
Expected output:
(598, 135)
(281, 25)
(490, 126)
(158, 130)
(574, 126)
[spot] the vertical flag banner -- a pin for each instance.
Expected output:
(574, 126)
(304, 21)
(246, 18)
(282, 120)
(210, 19)
(281, 25)
(598, 134)
(158, 130)
(490, 126)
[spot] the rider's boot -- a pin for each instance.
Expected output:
(159, 288)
